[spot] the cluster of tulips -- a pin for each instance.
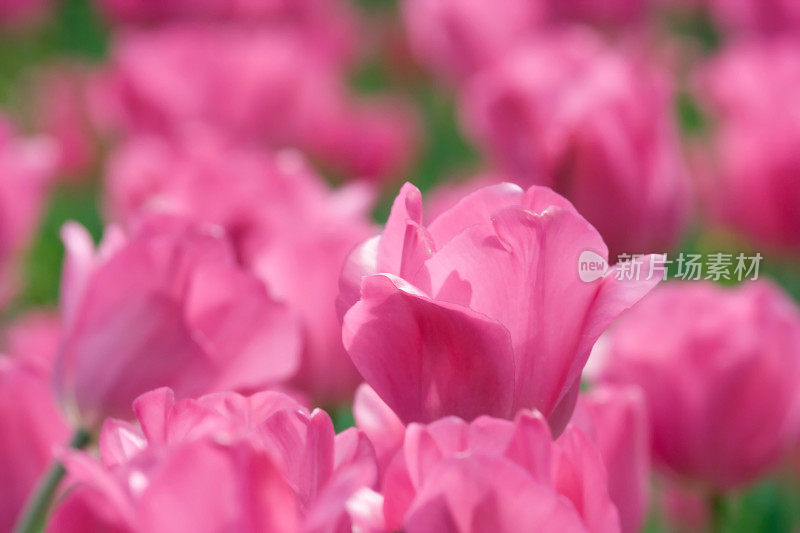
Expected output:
(241, 346)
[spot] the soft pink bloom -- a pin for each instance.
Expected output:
(606, 12)
(62, 111)
(457, 38)
(166, 304)
(34, 337)
(329, 26)
(374, 138)
(31, 426)
(255, 86)
(276, 209)
(379, 424)
(493, 475)
(717, 366)
(751, 180)
(615, 418)
(481, 311)
(762, 16)
(597, 126)
(264, 462)
(27, 167)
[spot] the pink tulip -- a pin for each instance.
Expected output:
(276, 210)
(30, 425)
(751, 181)
(717, 366)
(255, 85)
(321, 227)
(609, 12)
(766, 17)
(63, 112)
(27, 167)
(615, 418)
(569, 112)
(494, 475)
(34, 337)
(459, 37)
(379, 423)
(481, 311)
(365, 139)
(262, 463)
(329, 26)
(166, 304)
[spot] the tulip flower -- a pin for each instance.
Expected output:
(277, 210)
(30, 425)
(751, 173)
(457, 38)
(493, 475)
(263, 463)
(278, 91)
(615, 418)
(482, 311)
(329, 26)
(568, 112)
(717, 366)
(27, 167)
(166, 304)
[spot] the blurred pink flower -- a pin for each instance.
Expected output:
(482, 310)
(34, 337)
(166, 304)
(615, 419)
(717, 366)
(61, 100)
(30, 425)
(27, 168)
(255, 86)
(457, 38)
(330, 27)
(276, 210)
(264, 462)
(605, 13)
(764, 16)
(493, 475)
(569, 112)
(751, 178)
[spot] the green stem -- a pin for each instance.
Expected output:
(34, 516)
(716, 509)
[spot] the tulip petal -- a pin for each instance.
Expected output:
(428, 359)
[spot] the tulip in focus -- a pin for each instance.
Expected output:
(480, 311)
(166, 304)
(720, 370)
(221, 462)
(595, 125)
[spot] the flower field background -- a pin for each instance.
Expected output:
(258, 149)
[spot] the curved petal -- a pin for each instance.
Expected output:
(428, 359)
